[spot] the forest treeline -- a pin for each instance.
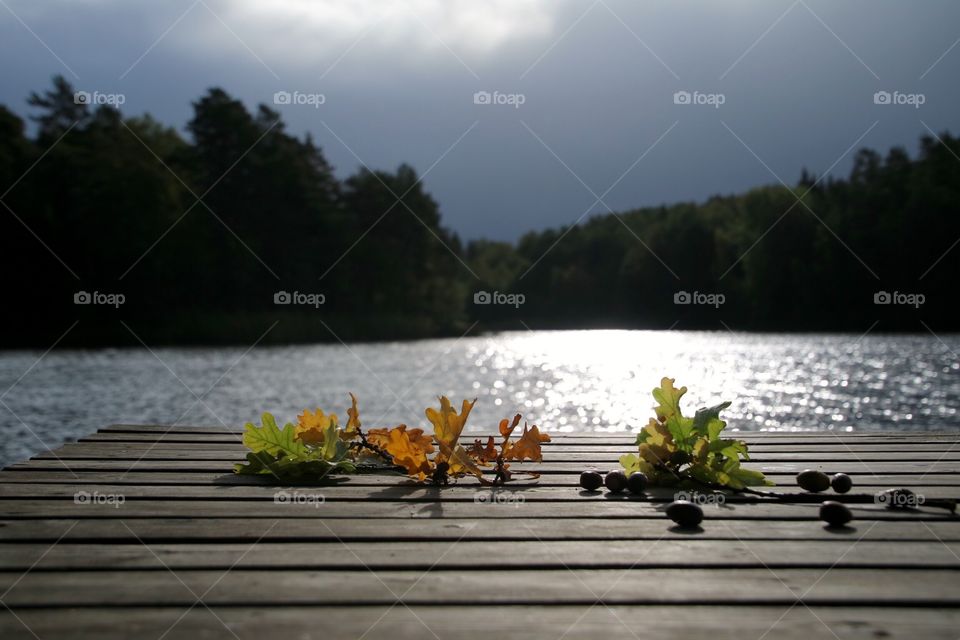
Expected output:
(139, 232)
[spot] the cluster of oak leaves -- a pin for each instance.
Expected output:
(319, 445)
(672, 449)
(678, 450)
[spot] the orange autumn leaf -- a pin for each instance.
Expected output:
(378, 437)
(528, 446)
(409, 449)
(381, 437)
(506, 428)
(311, 424)
(483, 453)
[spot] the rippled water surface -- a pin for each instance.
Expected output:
(563, 381)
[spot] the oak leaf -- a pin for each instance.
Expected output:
(447, 424)
(458, 461)
(528, 446)
(506, 428)
(483, 453)
(408, 449)
(353, 421)
(658, 446)
(311, 425)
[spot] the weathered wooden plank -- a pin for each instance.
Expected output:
(249, 530)
(389, 622)
(28, 475)
(173, 436)
(407, 491)
(107, 506)
(469, 555)
(253, 588)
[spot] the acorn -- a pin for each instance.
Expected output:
(836, 514)
(685, 514)
(813, 480)
(616, 481)
(591, 480)
(637, 482)
(841, 482)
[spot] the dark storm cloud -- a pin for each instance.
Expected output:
(582, 112)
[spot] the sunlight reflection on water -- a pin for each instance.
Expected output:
(564, 381)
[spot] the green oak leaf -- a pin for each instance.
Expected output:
(707, 421)
(668, 398)
(271, 439)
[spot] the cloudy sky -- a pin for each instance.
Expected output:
(583, 111)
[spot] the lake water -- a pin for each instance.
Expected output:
(564, 381)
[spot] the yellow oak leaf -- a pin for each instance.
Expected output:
(312, 424)
(447, 424)
(701, 450)
(458, 461)
(631, 463)
(659, 447)
(353, 421)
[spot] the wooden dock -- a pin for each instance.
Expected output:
(143, 532)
